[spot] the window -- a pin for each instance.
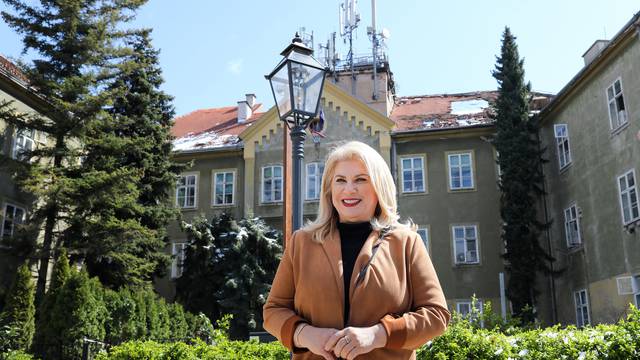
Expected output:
(467, 309)
(460, 171)
(582, 307)
(617, 109)
(424, 235)
(186, 191)
(562, 144)
(314, 180)
(412, 174)
(13, 215)
(628, 197)
(223, 187)
(271, 184)
(572, 226)
(465, 243)
(23, 144)
(178, 252)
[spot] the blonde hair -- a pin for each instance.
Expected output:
(386, 213)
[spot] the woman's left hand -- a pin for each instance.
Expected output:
(353, 341)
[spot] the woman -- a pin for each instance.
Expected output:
(355, 281)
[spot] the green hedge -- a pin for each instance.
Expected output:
(463, 340)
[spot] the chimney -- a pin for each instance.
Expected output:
(594, 51)
(244, 111)
(251, 99)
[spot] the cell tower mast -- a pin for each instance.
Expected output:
(349, 19)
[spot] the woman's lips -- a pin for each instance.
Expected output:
(350, 202)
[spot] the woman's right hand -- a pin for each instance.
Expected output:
(314, 338)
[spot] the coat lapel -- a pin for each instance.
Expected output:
(333, 251)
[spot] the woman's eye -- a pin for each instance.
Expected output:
(361, 180)
(341, 180)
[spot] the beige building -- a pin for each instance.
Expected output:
(591, 131)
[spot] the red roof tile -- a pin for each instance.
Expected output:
(9, 68)
(224, 121)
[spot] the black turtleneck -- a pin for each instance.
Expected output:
(352, 238)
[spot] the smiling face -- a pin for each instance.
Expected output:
(352, 192)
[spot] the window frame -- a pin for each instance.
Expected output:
(13, 217)
(628, 190)
(469, 302)
(263, 180)
(318, 176)
(614, 100)
(427, 242)
(214, 174)
(466, 250)
(472, 166)
(15, 152)
(581, 307)
(176, 268)
(567, 223)
(195, 193)
(563, 146)
(423, 163)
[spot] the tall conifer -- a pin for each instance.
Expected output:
(133, 138)
(521, 180)
(19, 312)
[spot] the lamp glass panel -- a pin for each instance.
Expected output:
(307, 83)
(280, 87)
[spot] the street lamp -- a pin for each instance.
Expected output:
(296, 83)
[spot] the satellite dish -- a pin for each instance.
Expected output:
(385, 33)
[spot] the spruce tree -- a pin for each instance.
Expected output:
(134, 138)
(19, 312)
(229, 267)
(521, 180)
(75, 45)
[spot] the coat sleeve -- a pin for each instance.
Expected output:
(428, 317)
(280, 318)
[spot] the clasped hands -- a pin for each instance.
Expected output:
(346, 343)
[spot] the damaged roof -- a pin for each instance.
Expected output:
(425, 112)
(210, 128)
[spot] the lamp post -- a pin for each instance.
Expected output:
(296, 83)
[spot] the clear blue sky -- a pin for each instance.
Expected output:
(213, 52)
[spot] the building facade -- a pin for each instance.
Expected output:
(15, 203)
(437, 147)
(591, 131)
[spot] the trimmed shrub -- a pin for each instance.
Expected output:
(17, 320)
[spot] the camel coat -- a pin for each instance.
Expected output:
(400, 290)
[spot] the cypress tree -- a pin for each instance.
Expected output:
(520, 182)
(74, 44)
(19, 312)
(46, 329)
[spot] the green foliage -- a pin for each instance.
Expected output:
(15, 355)
(74, 45)
(229, 266)
(232, 350)
(464, 341)
(44, 326)
(17, 321)
(131, 144)
(82, 307)
(520, 182)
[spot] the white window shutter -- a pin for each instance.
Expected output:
(625, 285)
